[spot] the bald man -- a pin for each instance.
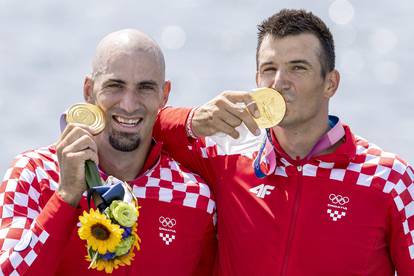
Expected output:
(42, 194)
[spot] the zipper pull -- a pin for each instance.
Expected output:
(299, 167)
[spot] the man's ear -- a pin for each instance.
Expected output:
(331, 83)
(88, 89)
(165, 93)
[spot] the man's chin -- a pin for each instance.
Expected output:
(124, 144)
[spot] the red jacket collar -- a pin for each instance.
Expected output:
(152, 159)
(343, 154)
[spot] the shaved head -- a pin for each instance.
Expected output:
(128, 83)
(129, 42)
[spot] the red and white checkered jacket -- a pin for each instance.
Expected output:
(38, 230)
(350, 212)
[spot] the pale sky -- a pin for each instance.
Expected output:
(46, 48)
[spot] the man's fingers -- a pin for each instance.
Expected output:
(253, 109)
(73, 136)
(222, 126)
(84, 155)
(70, 129)
(243, 97)
(83, 143)
(241, 113)
(230, 119)
(250, 123)
(71, 133)
(224, 113)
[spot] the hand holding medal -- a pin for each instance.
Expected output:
(111, 231)
(91, 116)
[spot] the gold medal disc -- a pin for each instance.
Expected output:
(271, 105)
(87, 114)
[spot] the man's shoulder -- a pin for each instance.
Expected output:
(382, 168)
(43, 154)
(368, 152)
(172, 182)
(172, 170)
(389, 173)
(36, 164)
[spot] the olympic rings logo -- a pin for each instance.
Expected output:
(167, 222)
(338, 199)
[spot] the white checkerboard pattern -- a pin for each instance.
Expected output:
(20, 193)
(373, 168)
(15, 262)
(335, 215)
(170, 182)
(166, 238)
(33, 178)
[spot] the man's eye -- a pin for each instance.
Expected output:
(146, 87)
(114, 85)
(298, 68)
(269, 70)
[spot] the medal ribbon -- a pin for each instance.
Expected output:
(265, 161)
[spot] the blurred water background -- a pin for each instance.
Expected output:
(46, 47)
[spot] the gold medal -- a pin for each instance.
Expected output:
(87, 114)
(271, 105)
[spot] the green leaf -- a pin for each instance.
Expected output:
(92, 175)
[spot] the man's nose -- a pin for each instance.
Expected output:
(281, 81)
(129, 101)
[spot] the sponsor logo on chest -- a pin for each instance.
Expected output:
(262, 190)
(336, 207)
(167, 232)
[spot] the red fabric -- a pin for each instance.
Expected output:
(38, 231)
(350, 212)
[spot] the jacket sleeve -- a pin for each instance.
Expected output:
(402, 225)
(33, 228)
(194, 154)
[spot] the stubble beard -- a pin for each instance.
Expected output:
(125, 142)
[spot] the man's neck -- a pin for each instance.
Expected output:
(124, 165)
(298, 141)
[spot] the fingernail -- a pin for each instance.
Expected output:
(256, 113)
(257, 132)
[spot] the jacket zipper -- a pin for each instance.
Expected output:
(292, 226)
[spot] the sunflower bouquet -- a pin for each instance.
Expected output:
(110, 231)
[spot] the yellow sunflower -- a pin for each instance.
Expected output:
(99, 232)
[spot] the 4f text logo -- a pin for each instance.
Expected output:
(262, 190)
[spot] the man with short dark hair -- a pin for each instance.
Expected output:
(328, 202)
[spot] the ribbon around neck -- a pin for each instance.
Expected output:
(265, 161)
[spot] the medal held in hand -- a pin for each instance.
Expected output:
(91, 116)
(110, 231)
(87, 114)
(271, 106)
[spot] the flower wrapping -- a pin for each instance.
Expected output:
(110, 231)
